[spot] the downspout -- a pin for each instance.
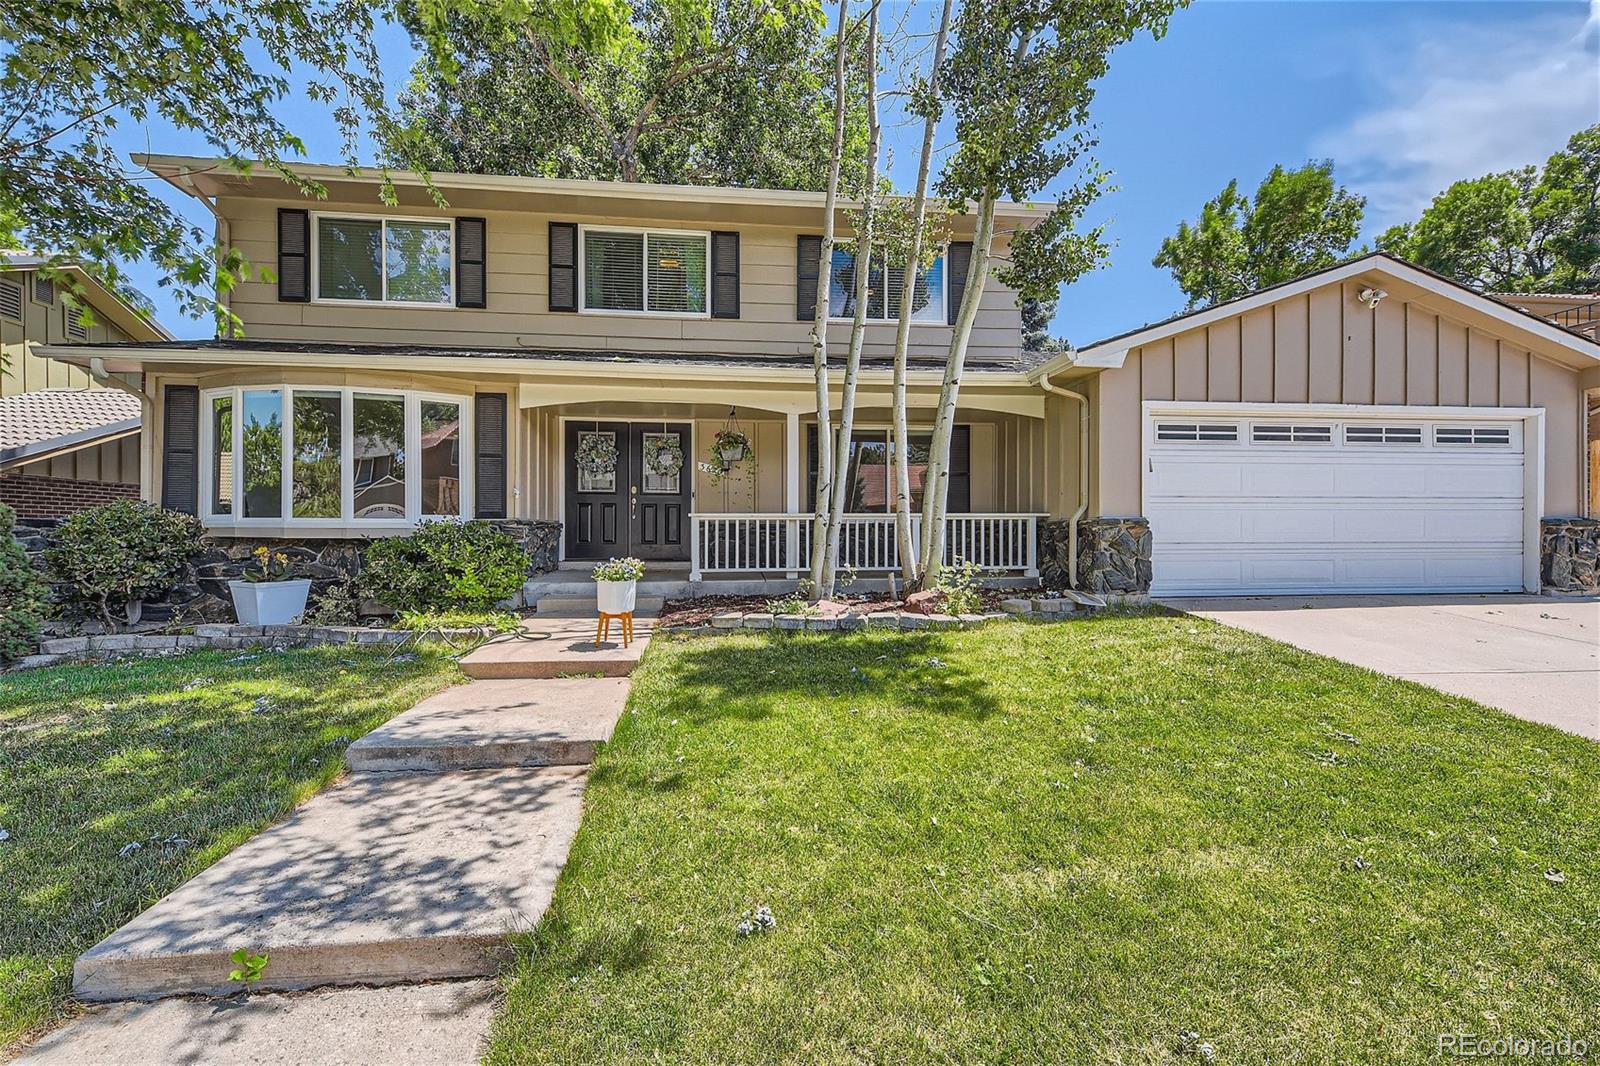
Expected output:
(1083, 475)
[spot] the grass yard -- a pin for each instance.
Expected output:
(1071, 843)
(185, 757)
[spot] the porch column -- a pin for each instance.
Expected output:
(791, 491)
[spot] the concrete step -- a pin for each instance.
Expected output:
(581, 607)
(491, 724)
(381, 879)
(557, 647)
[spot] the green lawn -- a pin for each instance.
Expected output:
(1068, 843)
(186, 757)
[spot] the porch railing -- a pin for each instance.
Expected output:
(781, 543)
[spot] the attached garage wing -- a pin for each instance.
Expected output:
(1293, 498)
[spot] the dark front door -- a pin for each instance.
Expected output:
(638, 508)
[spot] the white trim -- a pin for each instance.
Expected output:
(345, 520)
(1111, 353)
(644, 272)
(383, 221)
(1533, 419)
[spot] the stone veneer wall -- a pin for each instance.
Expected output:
(203, 596)
(1569, 555)
(1113, 555)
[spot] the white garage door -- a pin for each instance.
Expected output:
(1273, 500)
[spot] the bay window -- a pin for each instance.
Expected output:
(389, 260)
(645, 272)
(304, 456)
(885, 289)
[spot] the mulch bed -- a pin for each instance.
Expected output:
(699, 610)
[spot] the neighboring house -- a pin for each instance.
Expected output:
(66, 441)
(412, 362)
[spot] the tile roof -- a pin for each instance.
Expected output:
(35, 417)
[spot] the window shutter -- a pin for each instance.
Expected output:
(956, 260)
(489, 486)
(180, 449)
(724, 275)
(958, 498)
(294, 255)
(472, 255)
(807, 263)
(563, 266)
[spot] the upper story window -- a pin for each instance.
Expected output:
(886, 288)
(645, 271)
(390, 260)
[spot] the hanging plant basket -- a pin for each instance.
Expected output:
(664, 457)
(731, 447)
(597, 456)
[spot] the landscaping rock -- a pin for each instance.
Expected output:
(789, 621)
(925, 602)
(822, 622)
(1017, 606)
(971, 619)
(942, 621)
(913, 620)
(884, 619)
(64, 646)
(852, 622)
(727, 620)
(758, 620)
(113, 643)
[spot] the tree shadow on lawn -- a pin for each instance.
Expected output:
(741, 677)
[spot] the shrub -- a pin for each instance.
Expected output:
(444, 566)
(121, 553)
(22, 593)
(960, 584)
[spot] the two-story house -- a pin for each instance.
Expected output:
(67, 441)
(1369, 428)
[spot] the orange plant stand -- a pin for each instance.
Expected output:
(602, 628)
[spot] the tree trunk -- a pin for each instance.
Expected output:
(936, 482)
(906, 543)
(819, 321)
(858, 327)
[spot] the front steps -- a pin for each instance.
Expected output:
(446, 840)
(381, 879)
(558, 647)
(493, 724)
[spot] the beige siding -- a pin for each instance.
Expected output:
(42, 324)
(1326, 347)
(518, 293)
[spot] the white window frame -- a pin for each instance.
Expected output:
(346, 520)
(892, 315)
(383, 259)
(644, 271)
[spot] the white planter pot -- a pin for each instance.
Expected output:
(616, 597)
(269, 603)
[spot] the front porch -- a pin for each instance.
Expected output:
(752, 522)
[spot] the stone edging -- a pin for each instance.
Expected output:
(1041, 608)
(218, 635)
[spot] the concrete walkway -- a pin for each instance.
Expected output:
(416, 869)
(1534, 657)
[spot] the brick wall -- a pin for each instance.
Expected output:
(52, 497)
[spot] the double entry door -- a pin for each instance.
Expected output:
(631, 506)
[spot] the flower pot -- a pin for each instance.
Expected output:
(616, 597)
(270, 603)
(731, 453)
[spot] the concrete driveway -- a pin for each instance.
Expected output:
(1536, 658)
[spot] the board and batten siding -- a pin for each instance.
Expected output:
(1325, 346)
(518, 314)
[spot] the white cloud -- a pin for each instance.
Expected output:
(1465, 102)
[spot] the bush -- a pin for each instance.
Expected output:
(22, 593)
(444, 566)
(121, 553)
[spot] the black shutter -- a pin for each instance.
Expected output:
(180, 449)
(489, 486)
(958, 499)
(957, 258)
(724, 275)
(563, 266)
(294, 255)
(807, 264)
(472, 256)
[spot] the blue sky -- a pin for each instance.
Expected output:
(1404, 96)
